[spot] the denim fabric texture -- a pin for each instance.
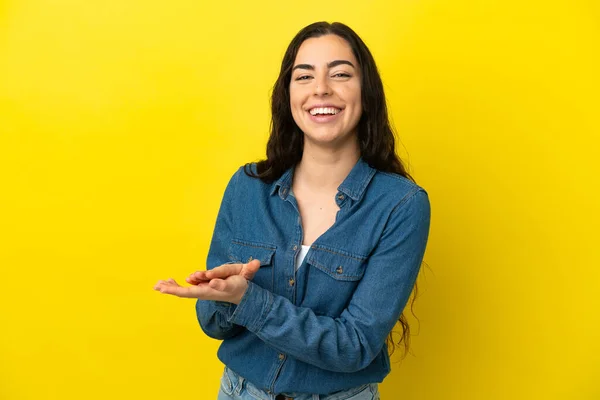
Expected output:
(235, 387)
(320, 329)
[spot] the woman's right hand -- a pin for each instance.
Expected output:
(223, 271)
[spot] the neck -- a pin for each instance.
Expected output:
(324, 169)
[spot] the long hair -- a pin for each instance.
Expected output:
(375, 134)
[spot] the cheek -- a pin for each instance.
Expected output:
(296, 108)
(352, 95)
(358, 96)
(295, 115)
(356, 105)
(295, 101)
(356, 100)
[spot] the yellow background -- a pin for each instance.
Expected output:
(121, 122)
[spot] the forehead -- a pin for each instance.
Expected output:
(323, 49)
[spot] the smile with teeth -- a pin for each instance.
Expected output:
(324, 111)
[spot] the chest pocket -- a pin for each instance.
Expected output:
(242, 251)
(338, 264)
(332, 278)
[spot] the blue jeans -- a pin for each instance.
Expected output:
(235, 387)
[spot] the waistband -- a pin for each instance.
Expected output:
(235, 383)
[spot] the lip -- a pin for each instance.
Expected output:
(323, 106)
(321, 119)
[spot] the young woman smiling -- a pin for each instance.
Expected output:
(316, 249)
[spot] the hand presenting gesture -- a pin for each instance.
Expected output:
(227, 282)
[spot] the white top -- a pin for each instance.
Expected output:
(300, 256)
(302, 253)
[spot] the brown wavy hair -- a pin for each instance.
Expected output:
(375, 134)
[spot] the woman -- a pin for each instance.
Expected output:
(317, 248)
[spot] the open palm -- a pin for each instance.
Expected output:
(227, 282)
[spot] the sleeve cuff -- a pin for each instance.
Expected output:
(253, 308)
(224, 308)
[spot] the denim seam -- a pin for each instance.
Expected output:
(349, 393)
(346, 254)
(265, 311)
(227, 387)
(398, 177)
(337, 277)
(405, 199)
(266, 246)
(374, 391)
(356, 195)
(365, 183)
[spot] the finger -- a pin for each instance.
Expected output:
(168, 285)
(250, 269)
(193, 281)
(201, 291)
(218, 284)
(200, 275)
(224, 271)
(180, 291)
(197, 277)
(176, 290)
(163, 283)
(158, 283)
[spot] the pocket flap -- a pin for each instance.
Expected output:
(242, 251)
(338, 264)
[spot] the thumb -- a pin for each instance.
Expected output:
(250, 269)
(218, 284)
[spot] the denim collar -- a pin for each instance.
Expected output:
(353, 186)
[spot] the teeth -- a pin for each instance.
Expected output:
(324, 110)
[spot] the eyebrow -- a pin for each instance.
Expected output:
(332, 64)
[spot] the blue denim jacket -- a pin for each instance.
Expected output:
(323, 327)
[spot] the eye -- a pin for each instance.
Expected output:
(341, 75)
(303, 77)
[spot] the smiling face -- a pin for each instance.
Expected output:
(325, 91)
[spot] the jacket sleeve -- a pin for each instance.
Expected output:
(351, 341)
(212, 315)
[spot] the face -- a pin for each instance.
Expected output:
(325, 92)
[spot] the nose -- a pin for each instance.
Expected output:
(322, 86)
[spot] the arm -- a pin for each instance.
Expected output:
(351, 341)
(212, 315)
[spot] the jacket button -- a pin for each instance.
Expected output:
(281, 356)
(295, 247)
(249, 259)
(341, 197)
(339, 269)
(291, 281)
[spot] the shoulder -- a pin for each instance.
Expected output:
(406, 205)
(243, 178)
(398, 191)
(398, 196)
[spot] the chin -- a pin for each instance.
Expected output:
(322, 137)
(328, 138)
